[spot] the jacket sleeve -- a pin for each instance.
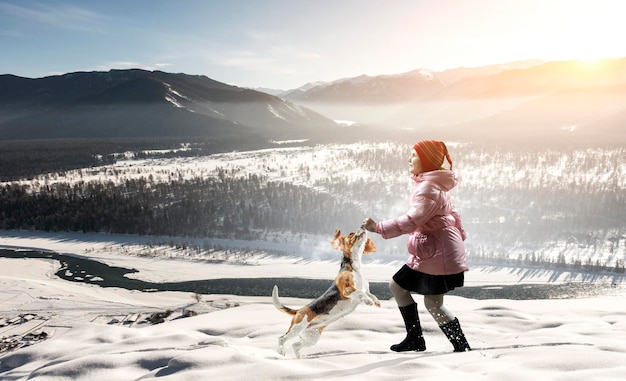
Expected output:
(458, 224)
(422, 209)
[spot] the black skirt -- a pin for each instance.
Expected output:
(426, 284)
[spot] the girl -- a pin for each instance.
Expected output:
(437, 262)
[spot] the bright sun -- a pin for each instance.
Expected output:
(585, 31)
(591, 63)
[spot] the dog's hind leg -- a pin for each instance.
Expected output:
(308, 338)
(294, 331)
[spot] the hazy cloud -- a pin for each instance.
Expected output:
(66, 17)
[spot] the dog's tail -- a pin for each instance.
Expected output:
(279, 305)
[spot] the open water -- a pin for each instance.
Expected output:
(84, 270)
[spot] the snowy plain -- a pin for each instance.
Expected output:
(90, 336)
(96, 333)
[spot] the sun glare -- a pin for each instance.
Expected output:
(590, 70)
(588, 63)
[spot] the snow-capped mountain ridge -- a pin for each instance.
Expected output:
(133, 103)
(315, 91)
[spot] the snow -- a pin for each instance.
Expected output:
(172, 96)
(173, 101)
(289, 141)
(274, 112)
(346, 123)
(77, 331)
(98, 333)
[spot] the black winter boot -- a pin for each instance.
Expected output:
(454, 333)
(413, 340)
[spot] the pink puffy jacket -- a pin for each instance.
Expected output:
(434, 227)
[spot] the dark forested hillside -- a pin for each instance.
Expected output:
(25, 159)
(215, 207)
(139, 103)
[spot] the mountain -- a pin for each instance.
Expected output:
(267, 90)
(567, 101)
(139, 103)
(366, 89)
(529, 100)
(300, 92)
(395, 87)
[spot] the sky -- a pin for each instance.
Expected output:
(284, 44)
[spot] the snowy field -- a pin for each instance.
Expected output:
(51, 329)
(76, 331)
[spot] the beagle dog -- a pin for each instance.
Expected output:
(349, 289)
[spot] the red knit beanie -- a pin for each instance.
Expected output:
(431, 154)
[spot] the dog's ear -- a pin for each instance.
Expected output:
(370, 246)
(337, 242)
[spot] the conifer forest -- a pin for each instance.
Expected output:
(549, 207)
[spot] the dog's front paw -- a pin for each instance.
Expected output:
(366, 299)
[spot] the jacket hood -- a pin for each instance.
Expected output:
(445, 179)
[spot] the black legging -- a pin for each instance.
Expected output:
(433, 303)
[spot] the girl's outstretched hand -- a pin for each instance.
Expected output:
(369, 225)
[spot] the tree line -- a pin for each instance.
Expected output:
(222, 206)
(508, 200)
(26, 159)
